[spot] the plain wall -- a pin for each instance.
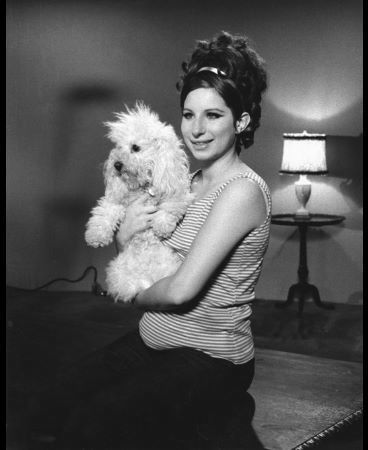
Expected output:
(72, 64)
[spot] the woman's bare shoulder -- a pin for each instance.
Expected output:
(242, 196)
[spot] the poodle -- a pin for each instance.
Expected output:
(148, 158)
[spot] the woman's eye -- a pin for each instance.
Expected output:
(212, 115)
(187, 115)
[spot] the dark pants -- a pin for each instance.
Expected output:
(127, 394)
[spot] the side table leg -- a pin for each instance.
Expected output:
(302, 290)
(290, 297)
(317, 299)
(302, 299)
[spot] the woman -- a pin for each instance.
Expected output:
(194, 343)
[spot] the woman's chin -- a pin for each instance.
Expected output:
(201, 155)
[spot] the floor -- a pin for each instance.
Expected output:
(46, 330)
(336, 333)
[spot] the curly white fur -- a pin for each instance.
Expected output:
(147, 157)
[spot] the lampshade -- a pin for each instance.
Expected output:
(304, 154)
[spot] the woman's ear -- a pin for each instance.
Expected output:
(242, 123)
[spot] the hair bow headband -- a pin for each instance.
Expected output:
(213, 70)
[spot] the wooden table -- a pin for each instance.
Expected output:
(303, 290)
(302, 398)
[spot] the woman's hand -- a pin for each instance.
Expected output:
(138, 218)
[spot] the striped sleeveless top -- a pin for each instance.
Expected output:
(219, 324)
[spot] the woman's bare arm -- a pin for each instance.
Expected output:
(239, 209)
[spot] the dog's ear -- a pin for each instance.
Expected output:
(106, 171)
(113, 186)
(170, 168)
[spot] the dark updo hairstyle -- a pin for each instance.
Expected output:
(240, 81)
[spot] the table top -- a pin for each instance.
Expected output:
(314, 220)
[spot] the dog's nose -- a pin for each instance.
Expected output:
(118, 166)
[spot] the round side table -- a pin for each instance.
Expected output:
(303, 290)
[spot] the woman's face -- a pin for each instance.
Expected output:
(207, 125)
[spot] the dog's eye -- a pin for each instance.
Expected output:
(135, 148)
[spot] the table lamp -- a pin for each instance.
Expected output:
(303, 154)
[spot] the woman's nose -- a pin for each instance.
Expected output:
(198, 127)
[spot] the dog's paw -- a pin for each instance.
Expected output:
(97, 237)
(128, 290)
(104, 221)
(163, 224)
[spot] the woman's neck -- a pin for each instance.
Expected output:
(219, 169)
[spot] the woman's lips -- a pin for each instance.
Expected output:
(201, 144)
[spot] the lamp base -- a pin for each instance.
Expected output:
(303, 190)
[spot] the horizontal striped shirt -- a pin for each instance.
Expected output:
(219, 323)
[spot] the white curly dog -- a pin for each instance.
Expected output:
(148, 158)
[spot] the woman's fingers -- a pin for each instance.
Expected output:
(150, 209)
(140, 209)
(140, 204)
(141, 200)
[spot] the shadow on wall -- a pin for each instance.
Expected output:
(78, 155)
(73, 101)
(345, 160)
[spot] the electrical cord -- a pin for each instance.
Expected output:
(96, 287)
